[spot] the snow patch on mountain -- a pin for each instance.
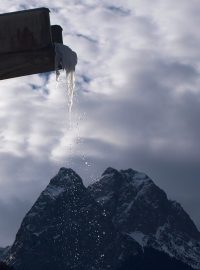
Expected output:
(139, 237)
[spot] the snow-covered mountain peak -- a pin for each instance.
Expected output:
(136, 179)
(124, 177)
(65, 178)
(140, 209)
(126, 184)
(66, 181)
(109, 171)
(130, 172)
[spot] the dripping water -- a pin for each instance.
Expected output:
(63, 58)
(70, 92)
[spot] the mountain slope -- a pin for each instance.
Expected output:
(1, 252)
(72, 227)
(4, 252)
(142, 210)
(67, 229)
(152, 259)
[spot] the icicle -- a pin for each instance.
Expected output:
(70, 87)
(67, 59)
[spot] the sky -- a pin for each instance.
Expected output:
(136, 104)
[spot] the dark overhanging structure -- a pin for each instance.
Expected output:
(28, 44)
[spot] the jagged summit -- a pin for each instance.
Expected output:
(140, 209)
(113, 179)
(66, 181)
(115, 188)
(109, 171)
(129, 171)
(125, 175)
(66, 177)
(66, 171)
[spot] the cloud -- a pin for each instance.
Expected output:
(136, 105)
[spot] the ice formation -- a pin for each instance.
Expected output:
(64, 57)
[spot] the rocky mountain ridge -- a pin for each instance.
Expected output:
(116, 223)
(67, 229)
(142, 210)
(3, 252)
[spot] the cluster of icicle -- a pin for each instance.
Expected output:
(64, 58)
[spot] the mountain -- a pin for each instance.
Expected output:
(140, 209)
(112, 224)
(152, 259)
(3, 252)
(4, 266)
(67, 229)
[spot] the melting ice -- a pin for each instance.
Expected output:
(67, 59)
